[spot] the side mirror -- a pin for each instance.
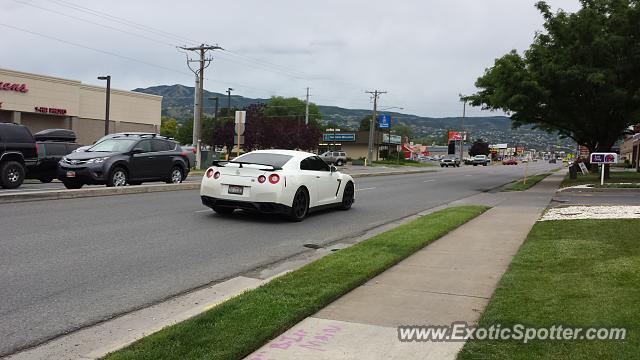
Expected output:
(333, 168)
(137, 151)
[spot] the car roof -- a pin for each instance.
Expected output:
(293, 153)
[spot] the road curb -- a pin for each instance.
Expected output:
(599, 190)
(139, 189)
(94, 192)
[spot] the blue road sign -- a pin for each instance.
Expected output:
(384, 121)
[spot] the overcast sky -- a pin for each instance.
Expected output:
(424, 53)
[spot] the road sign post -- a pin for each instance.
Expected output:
(603, 159)
(239, 127)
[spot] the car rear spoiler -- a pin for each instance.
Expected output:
(224, 162)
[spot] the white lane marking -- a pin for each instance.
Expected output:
(363, 189)
(430, 180)
(201, 211)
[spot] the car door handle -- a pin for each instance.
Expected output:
(151, 157)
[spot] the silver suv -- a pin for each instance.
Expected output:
(334, 157)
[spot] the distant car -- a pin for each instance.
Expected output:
(334, 157)
(450, 161)
(286, 182)
(480, 160)
(18, 152)
(509, 162)
(125, 160)
(191, 154)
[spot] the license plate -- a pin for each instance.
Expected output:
(71, 174)
(234, 189)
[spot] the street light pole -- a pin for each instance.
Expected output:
(229, 90)
(108, 101)
(462, 133)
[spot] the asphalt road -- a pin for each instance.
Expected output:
(35, 185)
(70, 263)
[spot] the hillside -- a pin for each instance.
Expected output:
(177, 102)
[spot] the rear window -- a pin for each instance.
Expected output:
(277, 160)
(15, 134)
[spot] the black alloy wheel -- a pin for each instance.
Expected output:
(347, 197)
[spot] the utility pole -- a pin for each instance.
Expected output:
(462, 133)
(306, 111)
(229, 90)
(204, 62)
(372, 124)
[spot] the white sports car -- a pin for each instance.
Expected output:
(276, 181)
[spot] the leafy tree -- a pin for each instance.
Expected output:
(479, 147)
(402, 130)
(168, 127)
(293, 109)
(364, 123)
(264, 132)
(184, 134)
(580, 77)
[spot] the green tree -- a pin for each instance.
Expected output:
(364, 123)
(580, 77)
(168, 127)
(402, 130)
(292, 108)
(184, 134)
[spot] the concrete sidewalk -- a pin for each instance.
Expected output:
(450, 280)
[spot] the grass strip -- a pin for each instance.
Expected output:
(594, 178)
(242, 324)
(574, 273)
(410, 163)
(520, 185)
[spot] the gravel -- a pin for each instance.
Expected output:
(592, 212)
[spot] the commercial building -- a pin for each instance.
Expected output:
(356, 143)
(43, 102)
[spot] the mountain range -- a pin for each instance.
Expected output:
(177, 102)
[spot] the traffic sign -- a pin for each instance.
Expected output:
(384, 121)
(240, 117)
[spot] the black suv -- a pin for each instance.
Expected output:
(18, 151)
(125, 159)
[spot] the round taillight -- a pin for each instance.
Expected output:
(274, 178)
(209, 173)
(216, 175)
(262, 179)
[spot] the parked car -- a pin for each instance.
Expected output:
(287, 182)
(18, 150)
(53, 145)
(338, 158)
(450, 161)
(191, 154)
(509, 162)
(125, 159)
(480, 160)
(109, 136)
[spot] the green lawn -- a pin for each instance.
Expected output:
(520, 185)
(403, 163)
(577, 273)
(594, 178)
(242, 324)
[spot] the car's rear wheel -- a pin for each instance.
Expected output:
(347, 197)
(72, 184)
(118, 177)
(223, 210)
(175, 177)
(339, 162)
(12, 174)
(300, 206)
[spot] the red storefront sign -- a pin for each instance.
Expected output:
(22, 88)
(52, 111)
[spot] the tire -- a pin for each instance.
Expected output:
(475, 164)
(223, 210)
(11, 174)
(339, 162)
(347, 197)
(458, 165)
(441, 165)
(175, 176)
(45, 180)
(72, 184)
(118, 177)
(300, 206)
